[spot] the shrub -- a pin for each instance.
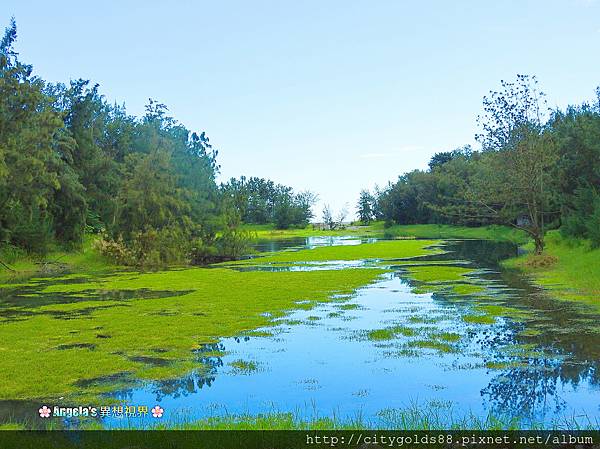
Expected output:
(541, 261)
(34, 236)
(115, 250)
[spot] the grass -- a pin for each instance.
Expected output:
(433, 278)
(431, 415)
(389, 333)
(432, 344)
(574, 273)
(81, 259)
(244, 366)
(439, 274)
(479, 319)
(217, 303)
(377, 229)
(450, 337)
(435, 231)
(390, 249)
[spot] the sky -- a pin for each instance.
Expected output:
(331, 96)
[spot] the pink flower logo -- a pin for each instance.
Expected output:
(157, 411)
(44, 412)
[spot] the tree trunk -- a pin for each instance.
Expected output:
(539, 244)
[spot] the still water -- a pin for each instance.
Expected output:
(324, 362)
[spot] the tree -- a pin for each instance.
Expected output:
(517, 187)
(509, 112)
(440, 159)
(29, 161)
(262, 201)
(365, 206)
(328, 220)
(332, 222)
(514, 183)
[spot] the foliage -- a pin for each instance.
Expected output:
(261, 201)
(583, 217)
(366, 207)
(571, 273)
(71, 163)
(535, 171)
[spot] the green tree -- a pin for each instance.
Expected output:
(29, 163)
(515, 183)
(365, 206)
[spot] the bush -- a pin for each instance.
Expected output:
(593, 227)
(232, 244)
(541, 261)
(583, 220)
(33, 236)
(10, 253)
(150, 248)
(115, 250)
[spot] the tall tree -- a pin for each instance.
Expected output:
(365, 206)
(515, 183)
(29, 162)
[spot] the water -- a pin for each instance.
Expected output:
(321, 362)
(297, 243)
(538, 361)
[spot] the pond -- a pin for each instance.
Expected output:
(391, 347)
(450, 335)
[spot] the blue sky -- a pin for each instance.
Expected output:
(328, 95)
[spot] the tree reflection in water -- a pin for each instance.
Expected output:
(209, 357)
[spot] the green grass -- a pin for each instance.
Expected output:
(456, 280)
(450, 337)
(244, 366)
(439, 274)
(434, 231)
(479, 319)
(219, 303)
(429, 415)
(432, 344)
(81, 259)
(389, 333)
(377, 229)
(390, 249)
(574, 276)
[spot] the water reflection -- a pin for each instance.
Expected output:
(297, 243)
(540, 367)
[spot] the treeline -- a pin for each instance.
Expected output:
(536, 169)
(261, 201)
(71, 164)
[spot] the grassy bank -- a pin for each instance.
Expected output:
(377, 229)
(416, 416)
(434, 231)
(25, 265)
(569, 269)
